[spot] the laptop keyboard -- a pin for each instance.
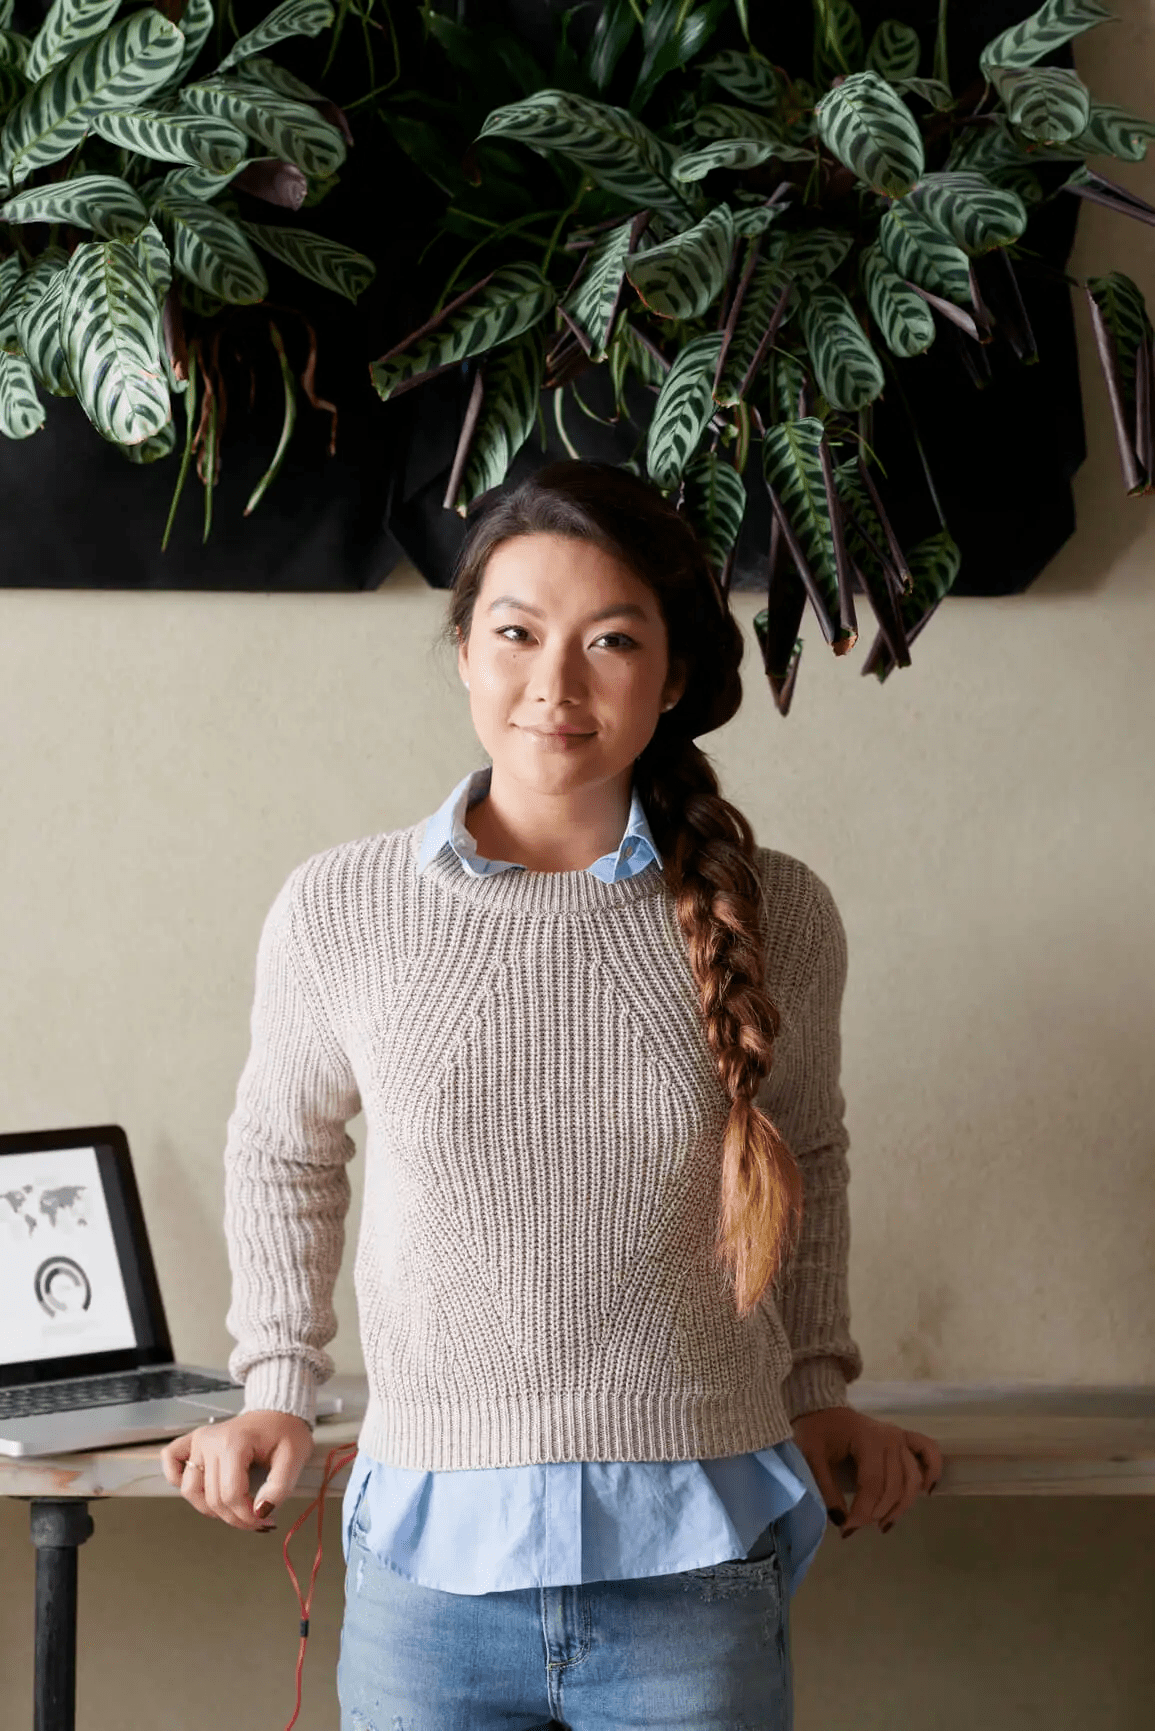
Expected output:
(29, 1400)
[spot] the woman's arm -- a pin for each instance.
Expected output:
(286, 1187)
(803, 1099)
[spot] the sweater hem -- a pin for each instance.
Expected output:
(576, 1425)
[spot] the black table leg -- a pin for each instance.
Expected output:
(59, 1525)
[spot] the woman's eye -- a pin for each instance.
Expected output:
(620, 635)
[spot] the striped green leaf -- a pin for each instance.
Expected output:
(964, 204)
(787, 377)
(67, 26)
(21, 411)
(985, 149)
(681, 277)
(23, 290)
(867, 126)
(894, 50)
(291, 18)
(115, 71)
(757, 218)
(154, 259)
(276, 77)
(722, 153)
(515, 298)
(616, 149)
(14, 49)
(931, 90)
(11, 268)
(1120, 300)
(201, 183)
(39, 328)
(97, 201)
(920, 251)
(934, 565)
(715, 502)
(110, 328)
(902, 316)
(747, 77)
(512, 386)
(196, 24)
(722, 122)
(209, 249)
(291, 130)
(322, 260)
(848, 372)
(6, 10)
(199, 139)
(626, 352)
(1112, 131)
(1053, 24)
(762, 294)
(793, 468)
(854, 495)
(813, 253)
(684, 406)
(1047, 103)
(837, 40)
(149, 450)
(592, 306)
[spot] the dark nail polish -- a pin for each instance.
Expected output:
(838, 1516)
(888, 1526)
(262, 1510)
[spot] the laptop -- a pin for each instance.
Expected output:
(85, 1356)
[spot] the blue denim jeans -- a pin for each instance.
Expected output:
(704, 1650)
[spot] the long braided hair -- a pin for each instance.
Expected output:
(706, 844)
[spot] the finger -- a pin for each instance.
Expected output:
(233, 1486)
(890, 1502)
(929, 1456)
(192, 1488)
(211, 1483)
(871, 1472)
(173, 1457)
(284, 1470)
(912, 1485)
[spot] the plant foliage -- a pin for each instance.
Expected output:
(754, 255)
(141, 255)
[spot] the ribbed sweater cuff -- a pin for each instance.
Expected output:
(282, 1385)
(812, 1386)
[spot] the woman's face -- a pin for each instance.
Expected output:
(564, 635)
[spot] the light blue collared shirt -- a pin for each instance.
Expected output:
(561, 1523)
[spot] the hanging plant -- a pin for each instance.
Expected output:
(124, 159)
(758, 260)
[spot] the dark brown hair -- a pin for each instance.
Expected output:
(706, 844)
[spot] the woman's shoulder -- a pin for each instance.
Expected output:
(329, 877)
(792, 887)
(800, 918)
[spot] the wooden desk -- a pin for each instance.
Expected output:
(997, 1439)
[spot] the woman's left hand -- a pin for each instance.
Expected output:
(893, 1466)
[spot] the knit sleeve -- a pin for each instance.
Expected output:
(286, 1187)
(803, 1099)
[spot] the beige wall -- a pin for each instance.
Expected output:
(985, 822)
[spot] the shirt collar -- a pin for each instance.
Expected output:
(446, 828)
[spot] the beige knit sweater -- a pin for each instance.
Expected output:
(534, 1270)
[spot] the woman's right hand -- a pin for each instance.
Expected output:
(210, 1465)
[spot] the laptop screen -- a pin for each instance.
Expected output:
(72, 1298)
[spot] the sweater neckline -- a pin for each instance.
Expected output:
(532, 894)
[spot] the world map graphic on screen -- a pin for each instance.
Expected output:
(24, 1212)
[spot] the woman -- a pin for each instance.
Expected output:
(601, 1272)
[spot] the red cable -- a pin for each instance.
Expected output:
(347, 1453)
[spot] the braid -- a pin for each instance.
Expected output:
(707, 847)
